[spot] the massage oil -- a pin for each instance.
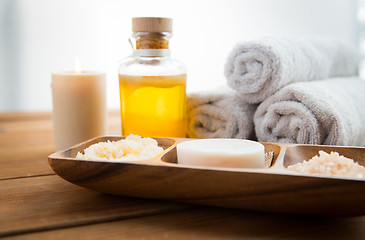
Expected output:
(153, 105)
(152, 85)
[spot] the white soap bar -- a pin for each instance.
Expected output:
(222, 152)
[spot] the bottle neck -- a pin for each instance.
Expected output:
(152, 40)
(151, 44)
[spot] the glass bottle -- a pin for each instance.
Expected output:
(152, 85)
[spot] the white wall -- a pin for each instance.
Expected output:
(52, 32)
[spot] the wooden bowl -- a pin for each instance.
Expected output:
(274, 189)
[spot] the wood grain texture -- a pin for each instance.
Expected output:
(25, 161)
(42, 121)
(274, 189)
(48, 202)
(213, 223)
(26, 141)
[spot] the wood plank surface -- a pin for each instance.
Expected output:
(48, 202)
(42, 121)
(26, 141)
(213, 223)
(25, 161)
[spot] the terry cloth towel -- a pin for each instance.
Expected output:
(259, 68)
(219, 114)
(329, 112)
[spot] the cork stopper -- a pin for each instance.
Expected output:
(152, 32)
(151, 24)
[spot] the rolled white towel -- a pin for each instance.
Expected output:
(259, 68)
(219, 114)
(330, 112)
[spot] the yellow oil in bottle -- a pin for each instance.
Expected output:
(153, 106)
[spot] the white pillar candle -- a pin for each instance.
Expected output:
(79, 107)
(230, 153)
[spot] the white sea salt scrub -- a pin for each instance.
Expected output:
(132, 147)
(332, 164)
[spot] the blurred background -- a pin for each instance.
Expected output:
(38, 37)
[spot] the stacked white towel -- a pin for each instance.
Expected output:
(297, 90)
(257, 69)
(219, 113)
(330, 112)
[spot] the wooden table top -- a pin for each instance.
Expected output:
(37, 204)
